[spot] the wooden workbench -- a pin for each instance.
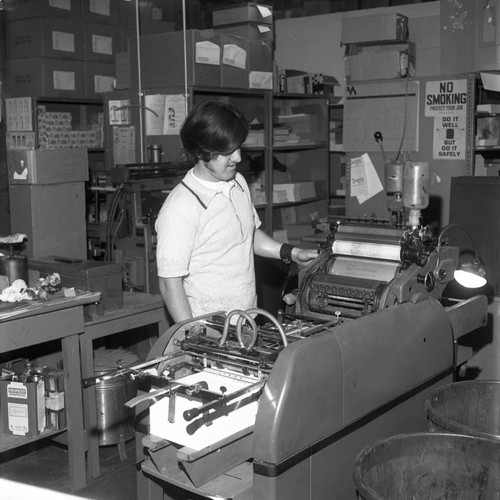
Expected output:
(60, 318)
(139, 310)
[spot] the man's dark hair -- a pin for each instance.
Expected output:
(212, 128)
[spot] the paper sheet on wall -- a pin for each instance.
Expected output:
(124, 145)
(164, 114)
(365, 182)
(175, 113)
(154, 114)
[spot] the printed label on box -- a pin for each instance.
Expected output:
(103, 83)
(234, 56)
(63, 41)
(101, 7)
(260, 80)
(102, 44)
(60, 4)
(64, 80)
(208, 53)
(19, 114)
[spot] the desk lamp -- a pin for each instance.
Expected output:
(469, 274)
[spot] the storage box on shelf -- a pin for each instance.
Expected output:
(254, 31)
(52, 216)
(101, 42)
(36, 122)
(44, 37)
(62, 78)
(107, 12)
(260, 65)
(98, 78)
(379, 62)
(248, 12)
(375, 28)
(161, 68)
(25, 9)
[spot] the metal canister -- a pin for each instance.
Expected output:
(155, 153)
(416, 185)
(14, 267)
(114, 419)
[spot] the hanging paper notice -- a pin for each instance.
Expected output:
(175, 113)
(155, 109)
(446, 101)
(119, 112)
(124, 145)
(365, 182)
(164, 114)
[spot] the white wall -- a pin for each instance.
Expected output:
(313, 43)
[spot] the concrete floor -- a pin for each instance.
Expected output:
(46, 466)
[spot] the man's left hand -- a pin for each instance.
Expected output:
(302, 256)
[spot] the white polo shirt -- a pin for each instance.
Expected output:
(206, 237)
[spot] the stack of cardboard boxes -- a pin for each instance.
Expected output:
(236, 53)
(377, 47)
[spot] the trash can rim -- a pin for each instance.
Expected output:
(452, 425)
(364, 489)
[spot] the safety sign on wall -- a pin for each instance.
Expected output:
(446, 101)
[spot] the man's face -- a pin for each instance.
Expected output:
(223, 167)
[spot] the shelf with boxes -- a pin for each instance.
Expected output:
(377, 47)
(299, 170)
(486, 125)
(337, 160)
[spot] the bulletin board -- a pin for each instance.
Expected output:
(387, 107)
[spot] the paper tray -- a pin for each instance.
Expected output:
(220, 430)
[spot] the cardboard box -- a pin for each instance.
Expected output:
(46, 77)
(88, 275)
(234, 69)
(101, 43)
(155, 16)
(254, 12)
(260, 65)
(101, 11)
(52, 216)
(254, 31)
(379, 62)
(40, 166)
(44, 37)
(162, 57)
(373, 29)
(99, 77)
(295, 191)
(25, 9)
(23, 407)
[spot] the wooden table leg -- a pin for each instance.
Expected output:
(74, 411)
(90, 405)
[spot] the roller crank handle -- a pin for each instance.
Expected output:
(223, 400)
(89, 382)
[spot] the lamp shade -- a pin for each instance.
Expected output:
(471, 274)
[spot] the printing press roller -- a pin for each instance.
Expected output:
(366, 268)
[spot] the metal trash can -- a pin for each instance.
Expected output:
(426, 466)
(470, 407)
(114, 420)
